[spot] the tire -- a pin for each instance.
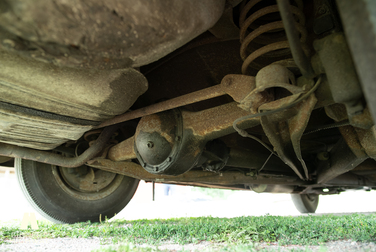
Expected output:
(305, 203)
(53, 191)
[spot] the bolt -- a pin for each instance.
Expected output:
(323, 9)
(169, 159)
(150, 144)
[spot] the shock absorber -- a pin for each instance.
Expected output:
(262, 37)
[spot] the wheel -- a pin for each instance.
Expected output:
(305, 203)
(66, 195)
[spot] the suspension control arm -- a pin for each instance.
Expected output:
(237, 86)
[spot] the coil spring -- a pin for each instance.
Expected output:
(266, 42)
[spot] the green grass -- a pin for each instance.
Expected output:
(303, 230)
(230, 248)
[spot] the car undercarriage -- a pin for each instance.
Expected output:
(263, 95)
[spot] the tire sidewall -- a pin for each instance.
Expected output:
(40, 187)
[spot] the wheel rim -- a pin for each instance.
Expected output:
(89, 185)
(311, 197)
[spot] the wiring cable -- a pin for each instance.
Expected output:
(329, 126)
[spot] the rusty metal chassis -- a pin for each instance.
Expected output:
(231, 179)
(250, 95)
(217, 122)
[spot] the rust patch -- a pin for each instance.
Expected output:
(92, 181)
(180, 101)
(162, 123)
(237, 86)
(363, 120)
(352, 140)
(284, 129)
(260, 34)
(92, 195)
(98, 182)
(269, 77)
(123, 151)
(227, 178)
(216, 122)
(362, 142)
(365, 168)
(367, 140)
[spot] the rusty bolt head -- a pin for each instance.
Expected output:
(150, 144)
(323, 9)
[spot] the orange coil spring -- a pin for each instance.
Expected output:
(266, 41)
